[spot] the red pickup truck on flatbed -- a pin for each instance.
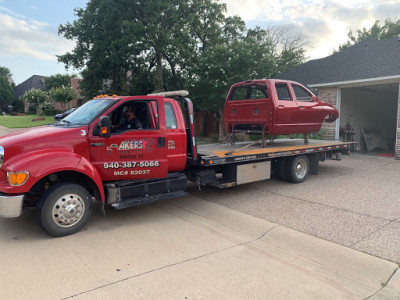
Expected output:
(60, 169)
(275, 107)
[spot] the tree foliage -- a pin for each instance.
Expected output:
(5, 72)
(6, 91)
(36, 97)
(63, 94)
(58, 81)
(137, 47)
(389, 29)
(254, 53)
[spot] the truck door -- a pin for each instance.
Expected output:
(132, 153)
(308, 117)
(286, 110)
(176, 136)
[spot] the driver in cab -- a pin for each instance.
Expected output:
(131, 122)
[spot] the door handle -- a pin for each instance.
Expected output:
(302, 107)
(161, 142)
(281, 106)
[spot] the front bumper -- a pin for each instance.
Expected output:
(11, 206)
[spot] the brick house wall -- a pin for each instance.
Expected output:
(328, 95)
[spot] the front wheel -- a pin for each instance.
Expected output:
(64, 209)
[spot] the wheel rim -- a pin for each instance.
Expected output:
(68, 210)
(301, 168)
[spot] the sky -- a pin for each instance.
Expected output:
(29, 41)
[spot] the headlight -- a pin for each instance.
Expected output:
(17, 178)
(1, 156)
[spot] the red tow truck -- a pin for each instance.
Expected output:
(60, 169)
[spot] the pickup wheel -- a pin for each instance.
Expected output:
(298, 168)
(64, 209)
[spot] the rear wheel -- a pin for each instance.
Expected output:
(281, 169)
(64, 209)
(298, 168)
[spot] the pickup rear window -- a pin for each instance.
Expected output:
(245, 92)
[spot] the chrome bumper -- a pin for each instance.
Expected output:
(11, 206)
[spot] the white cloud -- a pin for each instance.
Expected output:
(326, 23)
(22, 36)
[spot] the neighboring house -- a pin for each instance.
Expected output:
(34, 82)
(37, 82)
(362, 81)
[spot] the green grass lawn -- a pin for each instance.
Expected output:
(23, 121)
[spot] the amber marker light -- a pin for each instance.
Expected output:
(104, 130)
(17, 178)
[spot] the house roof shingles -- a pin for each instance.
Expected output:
(370, 58)
(33, 82)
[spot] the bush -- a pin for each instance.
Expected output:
(18, 106)
(32, 110)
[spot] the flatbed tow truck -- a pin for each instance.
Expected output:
(288, 159)
(62, 168)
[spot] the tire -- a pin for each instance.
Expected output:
(64, 209)
(281, 169)
(298, 168)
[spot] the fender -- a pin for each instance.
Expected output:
(47, 161)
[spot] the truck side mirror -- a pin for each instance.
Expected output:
(105, 127)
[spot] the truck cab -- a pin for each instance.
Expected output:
(59, 168)
(153, 151)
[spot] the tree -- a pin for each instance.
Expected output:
(103, 48)
(5, 72)
(136, 47)
(36, 97)
(389, 29)
(6, 92)
(115, 38)
(58, 81)
(243, 55)
(62, 94)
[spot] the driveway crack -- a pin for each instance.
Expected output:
(173, 264)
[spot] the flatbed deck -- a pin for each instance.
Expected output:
(213, 154)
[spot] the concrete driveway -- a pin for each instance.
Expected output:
(354, 202)
(184, 249)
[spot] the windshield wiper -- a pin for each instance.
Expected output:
(68, 122)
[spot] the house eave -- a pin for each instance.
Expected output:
(359, 82)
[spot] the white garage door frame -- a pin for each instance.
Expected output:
(360, 83)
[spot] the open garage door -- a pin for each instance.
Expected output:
(368, 115)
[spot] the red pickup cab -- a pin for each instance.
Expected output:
(275, 107)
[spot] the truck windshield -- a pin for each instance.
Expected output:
(87, 112)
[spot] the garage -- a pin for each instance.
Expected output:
(368, 115)
(362, 82)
